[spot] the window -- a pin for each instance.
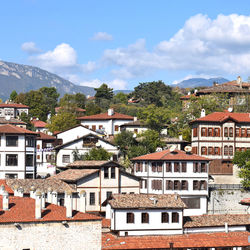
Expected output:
(231, 150)
(108, 194)
(12, 141)
(11, 176)
(196, 167)
(168, 167)
(216, 151)
(66, 158)
(106, 173)
(112, 172)
(28, 176)
(192, 202)
(94, 127)
(92, 199)
(237, 132)
(195, 132)
(216, 132)
(49, 145)
(184, 185)
(30, 142)
(146, 166)
(100, 126)
(203, 132)
(164, 217)
(29, 160)
(116, 128)
(203, 150)
(49, 158)
(175, 217)
(130, 218)
(157, 167)
(210, 132)
(203, 185)
(248, 133)
(225, 150)
(144, 218)
(176, 185)
(145, 183)
(230, 132)
(203, 167)
(12, 160)
(169, 185)
(156, 184)
(177, 167)
(195, 185)
(225, 132)
(183, 167)
(210, 150)
(138, 167)
(38, 157)
(38, 146)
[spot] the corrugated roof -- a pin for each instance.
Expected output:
(146, 201)
(11, 129)
(105, 116)
(167, 155)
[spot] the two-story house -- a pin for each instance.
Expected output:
(174, 171)
(17, 152)
(108, 122)
(13, 109)
(99, 179)
(218, 136)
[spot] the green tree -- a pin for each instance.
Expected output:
(92, 109)
(124, 140)
(98, 154)
(13, 95)
(73, 101)
(104, 92)
(62, 121)
(26, 118)
(242, 160)
(120, 98)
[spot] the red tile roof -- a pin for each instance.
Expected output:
(240, 239)
(187, 97)
(39, 124)
(245, 201)
(43, 136)
(166, 155)
(13, 105)
(223, 116)
(22, 209)
(11, 129)
(7, 187)
(105, 116)
(76, 109)
(106, 223)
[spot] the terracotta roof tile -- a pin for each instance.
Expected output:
(245, 201)
(187, 97)
(13, 105)
(39, 124)
(73, 175)
(166, 155)
(146, 201)
(223, 116)
(240, 239)
(223, 89)
(216, 220)
(43, 136)
(92, 163)
(22, 209)
(7, 188)
(106, 223)
(11, 129)
(11, 121)
(105, 116)
(76, 109)
(41, 184)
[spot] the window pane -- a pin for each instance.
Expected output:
(91, 198)
(11, 160)
(12, 141)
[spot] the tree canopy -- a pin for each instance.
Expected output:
(73, 101)
(98, 154)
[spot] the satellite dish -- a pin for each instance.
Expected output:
(230, 109)
(158, 149)
(98, 144)
(7, 117)
(188, 149)
(172, 148)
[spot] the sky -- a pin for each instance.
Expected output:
(123, 43)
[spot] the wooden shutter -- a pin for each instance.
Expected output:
(205, 185)
(212, 131)
(205, 131)
(219, 132)
(205, 150)
(245, 132)
(194, 169)
(239, 132)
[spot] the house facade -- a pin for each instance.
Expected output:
(99, 179)
(108, 122)
(218, 136)
(175, 171)
(17, 152)
(13, 110)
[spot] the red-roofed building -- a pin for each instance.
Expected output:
(171, 171)
(13, 109)
(218, 136)
(17, 152)
(108, 122)
(39, 126)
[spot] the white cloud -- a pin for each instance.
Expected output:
(203, 46)
(102, 36)
(30, 48)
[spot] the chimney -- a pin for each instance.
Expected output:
(2, 189)
(68, 204)
(203, 113)
(175, 196)
(226, 227)
(135, 118)
(54, 197)
(19, 192)
(82, 195)
(15, 190)
(49, 195)
(195, 91)
(110, 112)
(38, 201)
(180, 137)
(5, 200)
(239, 81)
(32, 192)
(43, 200)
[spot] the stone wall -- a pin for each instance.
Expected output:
(51, 235)
(226, 200)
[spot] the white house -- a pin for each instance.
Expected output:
(83, 144)
(17, 152)
(171, 171)
(99, 179)
(108, 122)
(144, 214)
(45, 155)
(40, 126)
(13, 109)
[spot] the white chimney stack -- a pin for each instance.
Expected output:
(135, 118)
(54, 197)
(43, 200)
(203, 113)
(110, 112)
(82, 195)
(32, 192)
(19, 192)
(38, 201)
(2, 189)
(239, 81)
(49, 195)
(5, 200)
(68, 204)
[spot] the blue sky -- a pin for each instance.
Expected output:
(123, 43)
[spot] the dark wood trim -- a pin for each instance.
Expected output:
(100, 188)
